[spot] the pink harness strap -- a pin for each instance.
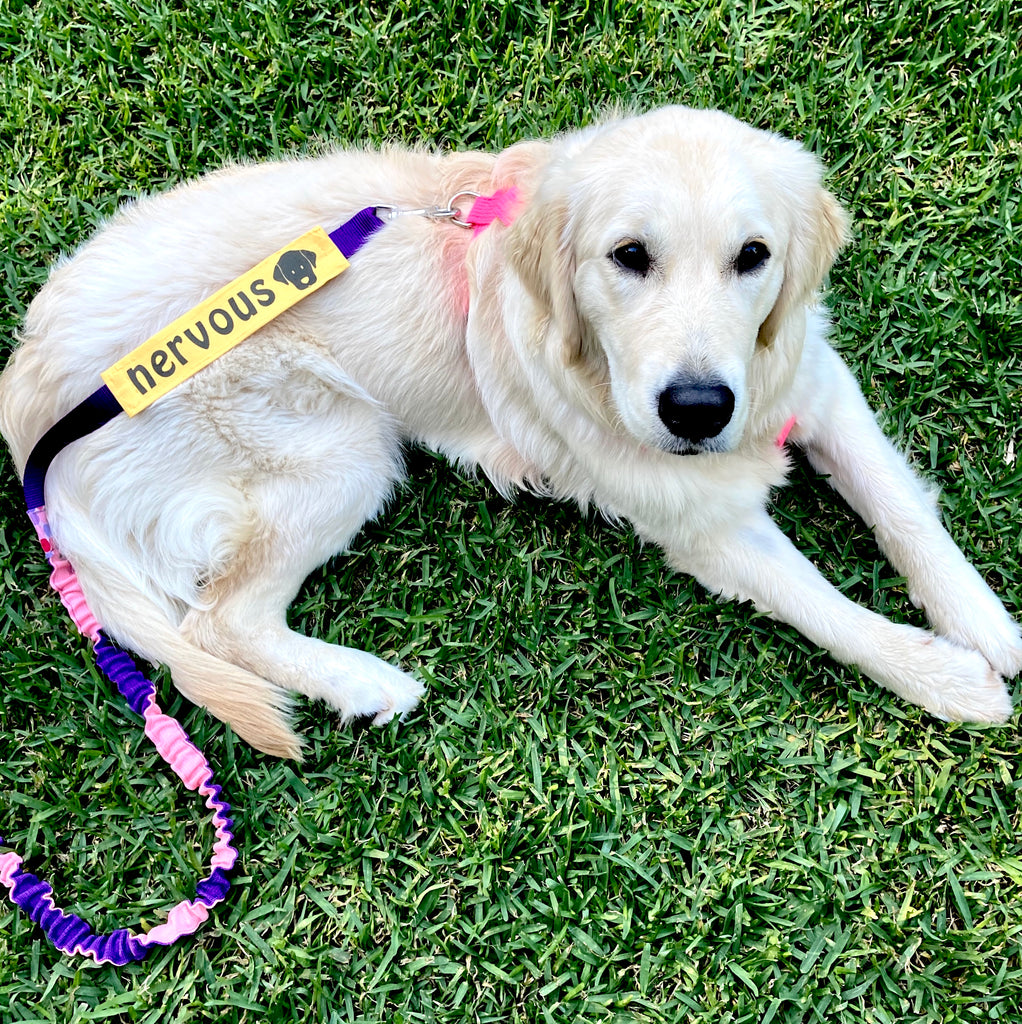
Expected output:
(503, 205)
(782, 438)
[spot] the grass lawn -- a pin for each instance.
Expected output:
(620, 801)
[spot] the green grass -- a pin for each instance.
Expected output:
(621, 801)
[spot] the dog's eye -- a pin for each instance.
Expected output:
(632, 256)
(752, 257)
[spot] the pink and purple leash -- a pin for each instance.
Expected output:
(68, 932)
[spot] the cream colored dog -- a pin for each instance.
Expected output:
(635, 340)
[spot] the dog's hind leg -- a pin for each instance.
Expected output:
(301, 518)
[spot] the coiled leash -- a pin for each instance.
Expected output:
(131, 385)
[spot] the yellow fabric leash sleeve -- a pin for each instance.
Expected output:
(225, 319)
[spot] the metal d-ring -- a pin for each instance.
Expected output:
(456, 216)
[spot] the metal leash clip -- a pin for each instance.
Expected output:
(449, 212)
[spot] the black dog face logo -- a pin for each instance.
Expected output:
(295, 267)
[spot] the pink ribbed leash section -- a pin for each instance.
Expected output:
(68, 932)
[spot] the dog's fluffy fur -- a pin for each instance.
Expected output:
(539, 352)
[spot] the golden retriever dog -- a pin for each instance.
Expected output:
(637, 340)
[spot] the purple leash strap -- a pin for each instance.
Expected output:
(68, 932)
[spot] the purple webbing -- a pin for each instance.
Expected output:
(354, 233)
(68, 932)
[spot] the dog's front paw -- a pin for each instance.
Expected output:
(963, 687)
(979, 621)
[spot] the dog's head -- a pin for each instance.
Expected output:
(673, 256)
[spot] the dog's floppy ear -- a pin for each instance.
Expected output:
(540, 253)
(819, 230)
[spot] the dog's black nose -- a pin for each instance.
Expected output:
(696, 411)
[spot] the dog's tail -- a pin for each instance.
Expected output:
(256, 709)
